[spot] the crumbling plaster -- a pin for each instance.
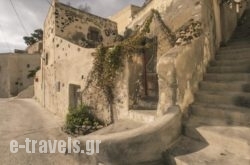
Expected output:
(181, 68)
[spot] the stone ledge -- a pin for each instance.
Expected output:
(138, 145)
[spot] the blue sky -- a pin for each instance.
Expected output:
(33, 13)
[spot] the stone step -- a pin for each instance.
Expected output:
(233, 136)
(183, 147)
(217, 77)
(147, 102)
(225, 87)
(233, 55)
(228, 113)
(237, 41)
(229, 69)
(144, 116)
(236, 62)
(218, 131)
(235, 47)
(241, 35)
(191, 152)
(239, 44)
(234, 51)
(229, 98)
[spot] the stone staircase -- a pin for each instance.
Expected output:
(218, 129)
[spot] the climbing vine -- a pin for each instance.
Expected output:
(108, 61)
(227, 1)
(170, 36)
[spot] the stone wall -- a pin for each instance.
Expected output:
(67, 57)
(4, 80)
(142, 145)
(54, 82)
(48, 37)
(164, 44)
(77, 26)
(35, 48)
(71, 66)
(14, 69)
(139, 18)
(124, 17)
(38, 87)
(179, 68)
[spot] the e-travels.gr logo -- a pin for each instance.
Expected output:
(53, 146)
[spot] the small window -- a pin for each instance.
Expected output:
(58, 86)
(94, 34)
(28, 66)
(46, 59)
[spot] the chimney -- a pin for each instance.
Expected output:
(54, 2)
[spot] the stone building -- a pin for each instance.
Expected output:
(157, 84)
(124, 17)
(184, 22)
(157, 87)
(15, 69)
(70, 38)
(36, 48)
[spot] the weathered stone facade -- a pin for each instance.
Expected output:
(36, 48)
(196, 27)
(160, 79)
(198, 31)
(70, 39)
(124, 17)
(14, 71)
(184, 37)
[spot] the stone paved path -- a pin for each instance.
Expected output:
(24, 118)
